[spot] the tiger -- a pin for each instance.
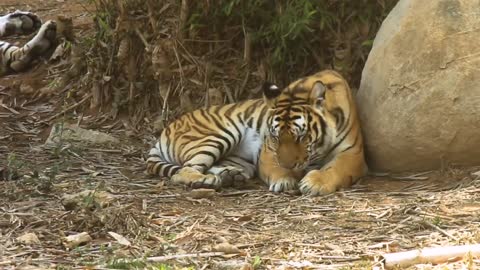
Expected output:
(305, 137)
(15, 59)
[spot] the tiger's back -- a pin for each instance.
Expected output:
(211, 133)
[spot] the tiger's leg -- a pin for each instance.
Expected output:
(278, 178)
(19, 22)
(19, 58)
(193, 171)
(233, 171)
(193, 168)
(341, 172)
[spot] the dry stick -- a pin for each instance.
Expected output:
(183, 19)
(7, 262)
(67, 109)
(339, 258)
(142, 38)
(428, 224)
(8, 108)
(229, 93)
(183, 256)
(238, 193)
(240, 90)
(429, 255)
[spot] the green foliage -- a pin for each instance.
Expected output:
(133, 264)
(363, 264)
(257, 261)
(118, 263)
(13, 166)
(295, 36)
(142, 48)
(437, 221)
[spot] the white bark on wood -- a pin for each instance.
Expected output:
(184, 256)
(430, 255)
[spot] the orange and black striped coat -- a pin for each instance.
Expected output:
(305, 136)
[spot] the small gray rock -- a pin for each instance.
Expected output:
(67, 132)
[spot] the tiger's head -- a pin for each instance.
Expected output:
(304, 117)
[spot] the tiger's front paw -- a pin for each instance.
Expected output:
(44, 39)
(319, 182)
(195, 179)
(233, 177)
(282, 184)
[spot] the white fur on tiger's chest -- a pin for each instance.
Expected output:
(249, 146)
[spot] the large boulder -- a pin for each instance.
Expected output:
(419, 98)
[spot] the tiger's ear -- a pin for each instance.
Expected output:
(317, 95)
(270, 93)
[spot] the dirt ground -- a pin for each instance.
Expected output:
(136, 222)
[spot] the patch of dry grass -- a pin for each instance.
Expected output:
(166, 226)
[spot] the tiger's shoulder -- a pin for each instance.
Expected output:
(340, 104)
(338, 92)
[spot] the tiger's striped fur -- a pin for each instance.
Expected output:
(305, 136)
(16, 59)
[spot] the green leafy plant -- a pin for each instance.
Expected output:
(158, 50)
(257, 261)
(296, 36)
(121, 263)
(13, 166)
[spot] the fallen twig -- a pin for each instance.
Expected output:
(183, 256)
(338, 258)
(429, 255)
(67, 109)
(238, 193)
(428, 224)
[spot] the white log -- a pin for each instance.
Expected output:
(434, 255)
(72, 241)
